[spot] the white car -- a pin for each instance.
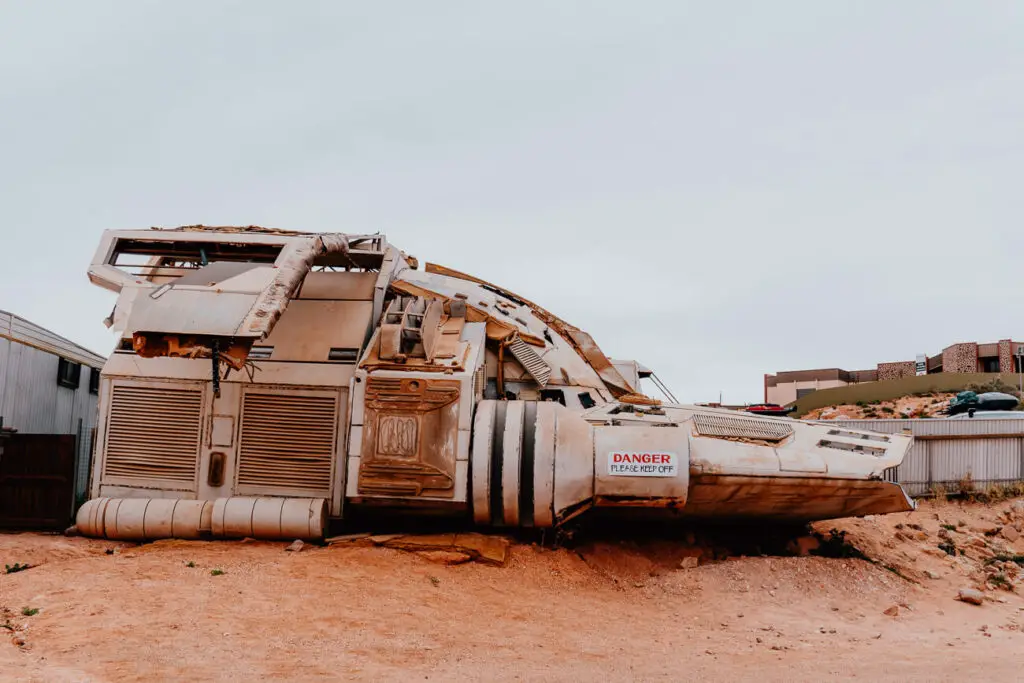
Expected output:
(989, 415)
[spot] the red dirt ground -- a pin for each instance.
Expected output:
(612, 611)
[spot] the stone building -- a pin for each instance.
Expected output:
(786, 387)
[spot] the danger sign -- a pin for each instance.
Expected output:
(642, 464)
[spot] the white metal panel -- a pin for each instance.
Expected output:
(20, 330)
(659, 441)
(966, 449)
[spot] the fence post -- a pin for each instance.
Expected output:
(928, 456)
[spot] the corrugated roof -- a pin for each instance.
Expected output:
(17, 329)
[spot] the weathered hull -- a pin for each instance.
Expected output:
(803, 499)
(258, 365)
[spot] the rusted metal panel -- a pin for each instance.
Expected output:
(37, 481)
(660, 455)
(792, 498)
(308, 330)
(588, 348)
(409, 437)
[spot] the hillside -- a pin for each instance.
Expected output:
(923, 406)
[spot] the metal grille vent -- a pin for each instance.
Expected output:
(287, 442)
(852, 447)
(709, 424)
(153, 433)
(529, 359)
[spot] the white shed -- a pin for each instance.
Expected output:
(48, 385)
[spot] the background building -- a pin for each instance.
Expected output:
(965, 357)
(48, 408)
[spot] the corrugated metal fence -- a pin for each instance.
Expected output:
(945, 452)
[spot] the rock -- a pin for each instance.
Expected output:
(893, 611)
(932, 575)
(1010, 534)
(978, 542)
(296, 546)
(71, 530)
(484, 548)
(921, 535)
(689, 563)
(381, 539)
(345, 538)
(986, 529)
(488, 549)
(970, 595)
(447, 557)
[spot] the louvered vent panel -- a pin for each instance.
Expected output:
(709, 424)
(153, 433)
(479, 380)
(529, 359)
(287, 441)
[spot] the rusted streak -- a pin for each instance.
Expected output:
(641, 501)
(639, 400)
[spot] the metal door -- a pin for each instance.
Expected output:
(37, 481)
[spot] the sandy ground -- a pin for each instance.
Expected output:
(607, 610)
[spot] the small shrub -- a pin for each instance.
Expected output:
(948, 527)
(190, 564)
(836, 545)
(888, 410)
(29, 611)
(216, 572)
(1000, 581)
(948, 548)
(434, 580)
(15, 568)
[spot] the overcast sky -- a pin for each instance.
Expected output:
(718, 190)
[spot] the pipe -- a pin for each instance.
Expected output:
(292, 264)
(151, 519)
